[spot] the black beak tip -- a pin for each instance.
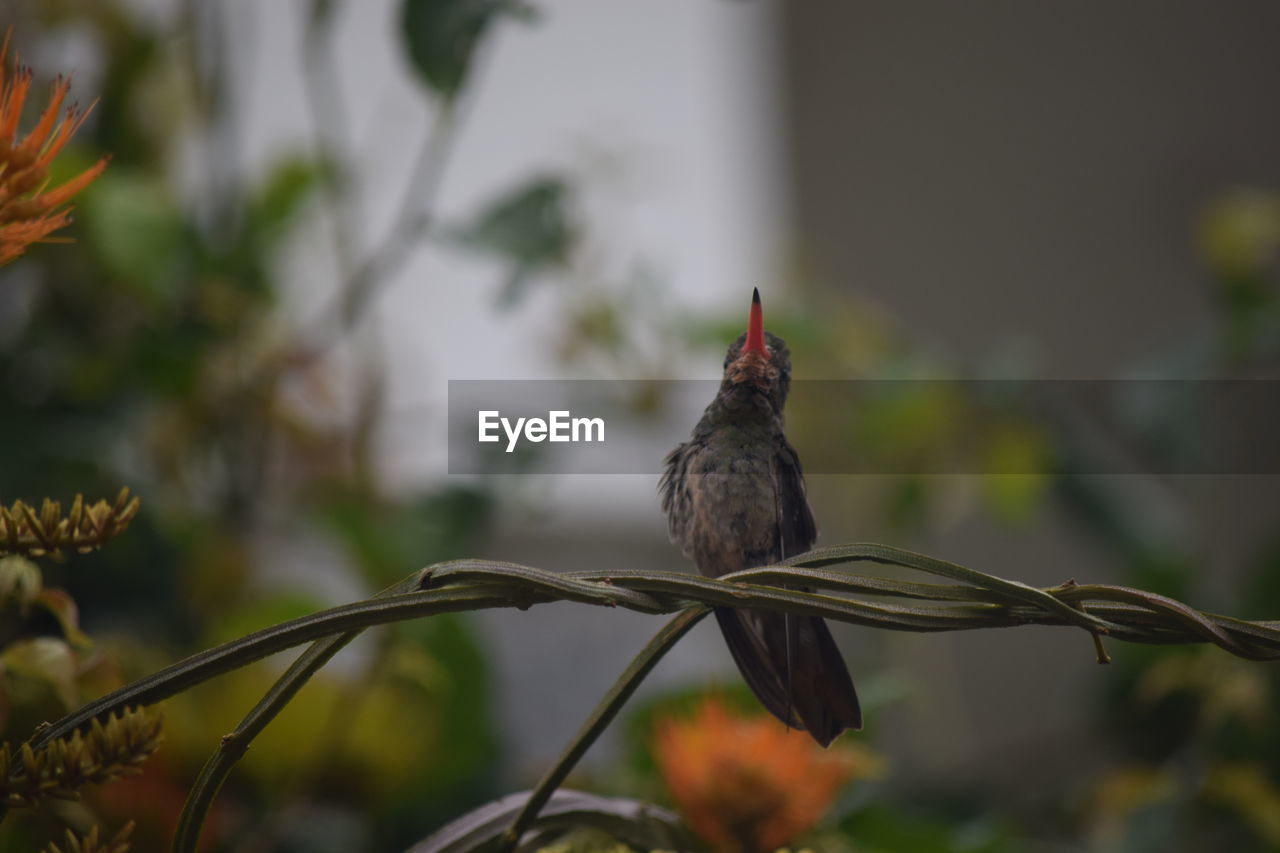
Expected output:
(755, 295)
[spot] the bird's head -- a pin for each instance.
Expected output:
(758, 360)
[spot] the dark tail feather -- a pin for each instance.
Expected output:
(821, 700)
(749, 653)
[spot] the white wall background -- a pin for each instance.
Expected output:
(665, 111)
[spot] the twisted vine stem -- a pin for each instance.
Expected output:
(970, 600)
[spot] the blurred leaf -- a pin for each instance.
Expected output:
(890, 830)
(377, 537)
(531, 227)
(1166, 417)
(356, 739)
(910, 424)
(137, 231)
(284, 193)
(413, 665)
(1018, 459)
(1240, 236)
(441, 37)
(322, 12)
(1260, 593)
(63, 609)
(29, 610)
(395, 733)
(222, 303)
(456, 683)
(1154, 557)
(907, 502)
(1245, 789)
(456, 517)
(1240, 232)
(45, 663)
(1225, 688)
(433, 728)
(153, 800)
(20, 581)
(1149, 732)
(264, 612)
(390, 540)
(595, 322)
(1139, 808)
(1128, 789)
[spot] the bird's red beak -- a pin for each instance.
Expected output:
(755, 328)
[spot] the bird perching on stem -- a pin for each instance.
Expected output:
(734, 497)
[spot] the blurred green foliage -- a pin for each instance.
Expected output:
(442, 36)
(531, 229)
(151, 352)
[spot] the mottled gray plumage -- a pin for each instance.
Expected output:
(734, 497)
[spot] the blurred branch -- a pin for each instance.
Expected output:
(329, 128)
(409, 225)
(209, 65)
(411, 221)
(973, 600)
(361, 274)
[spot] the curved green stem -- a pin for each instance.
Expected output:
(924, 563)
(976, 601)
(204, 665)
(232, 747)
(980, 601)
(600, 718)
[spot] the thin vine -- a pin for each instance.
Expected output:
(969, 600)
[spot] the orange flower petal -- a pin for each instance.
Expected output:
(67, 189)
(75, 118)
(35, 140)
(17, 236)
(28, 211)
(11, 101)
(746, 783)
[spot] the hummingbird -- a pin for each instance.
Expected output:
(734, 497)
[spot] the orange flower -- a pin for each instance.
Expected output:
(29, 211)
(745, 783)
